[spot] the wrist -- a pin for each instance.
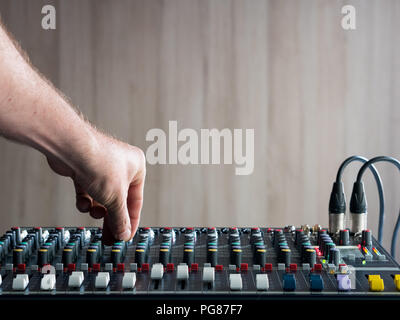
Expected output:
(64, 136)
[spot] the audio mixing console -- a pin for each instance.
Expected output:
(253, 262)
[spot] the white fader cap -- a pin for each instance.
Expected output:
(129, 280)
(262, 282)
(235, 281)
(102, 280)
(157, 271)
(20, 282)
(182, 272)
(75, 279)
(48, 282)
(208, 274)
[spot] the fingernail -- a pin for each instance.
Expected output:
(126, 235)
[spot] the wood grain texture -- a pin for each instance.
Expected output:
(313, 93)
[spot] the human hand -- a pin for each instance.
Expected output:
(109, 181)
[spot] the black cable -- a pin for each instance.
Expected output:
(378, 184)
(359, 177)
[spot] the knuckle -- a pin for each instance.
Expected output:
(140, 155)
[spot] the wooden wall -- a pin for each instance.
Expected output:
(313, 92)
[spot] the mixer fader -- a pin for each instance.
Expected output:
(197, 261)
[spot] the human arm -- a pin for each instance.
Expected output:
(108, 174)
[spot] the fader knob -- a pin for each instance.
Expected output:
(327, 250)
(68, 255)
(6, 242)
(334, 256)
(39, 235)
(165, 247)
(92, 256)
(61, 232)
(212, 256)
(188, 255)
(234, 231)
(29, 241)
(285, 255)
(43, 257)
(321, 241)
(305, 245)
(165, 256)
(278, 236)
(324, 242)
(260, 255)
(50, 245)
(212, 250)
(322, 232)
(236, 256)
(298, 234)
(280, 240)
(140, 256)
(344, 237)
(116, 256)
(97, 244)
(141, 252)
(311, 257)
(366, 238)
(17, 234)
(18, 256)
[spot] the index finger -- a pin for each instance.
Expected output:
(135, 203)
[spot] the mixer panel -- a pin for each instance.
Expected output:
(257, 261)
